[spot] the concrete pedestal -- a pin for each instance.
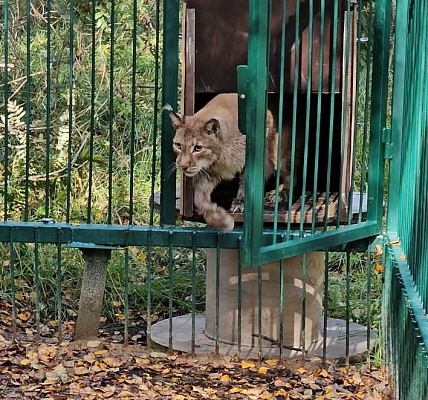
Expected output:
(297, 314)
(302, 309)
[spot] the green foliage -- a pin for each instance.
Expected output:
(365, 288)
(70, 103)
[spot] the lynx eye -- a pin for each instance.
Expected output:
(197, 148)
(178, 145)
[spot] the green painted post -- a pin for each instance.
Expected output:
(258, 59)
(381, 45)
(169, 96)
(400, 51)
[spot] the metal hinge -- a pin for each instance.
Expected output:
(388, 146)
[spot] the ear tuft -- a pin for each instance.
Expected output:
(176, 119)
(212, 127)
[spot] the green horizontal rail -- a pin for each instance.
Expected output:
(116, 236)
(320, 241)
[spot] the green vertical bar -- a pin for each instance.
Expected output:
(258, 58)
(92, 113)
(155, 115)
(239, 297)
(259, 311)
(169, 96)
(395, 168)
(111, 114)
(347, 304)
(308, 114)
(6, 99)
(48, 106)
(170, 288)
(27, 107)
(325, 308)
(280, 121)
(126, 288)
(59, 286)
(133, 108)
(149, 290)
(217, 295)
(70, 110)
(12, 283)
(303, 327)
(319, 106)
(193, 338)
(343, 133)
(332, 113)
(366, 111)
(369, 298)
(37, 282)
(294, 121)
(381, 45)
(281, 310)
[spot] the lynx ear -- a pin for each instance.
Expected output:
(176, 119)
(212, 127)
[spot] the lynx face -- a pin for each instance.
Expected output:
(195, 145)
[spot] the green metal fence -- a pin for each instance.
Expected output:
(86, 150)
(406, 328)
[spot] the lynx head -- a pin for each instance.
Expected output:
(196, 143)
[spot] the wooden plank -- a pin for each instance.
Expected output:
(188, 98)
(309, 210)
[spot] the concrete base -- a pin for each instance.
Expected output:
(247, 292)
(335, 342)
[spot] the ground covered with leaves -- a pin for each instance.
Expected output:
(107, 370)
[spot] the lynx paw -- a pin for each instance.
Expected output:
(237, 206)
(282, 195)
(220, 220)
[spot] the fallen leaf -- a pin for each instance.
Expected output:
(247, 364)
(262, 370)
(93, 343)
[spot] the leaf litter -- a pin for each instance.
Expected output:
(102, 370)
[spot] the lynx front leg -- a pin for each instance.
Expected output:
(214, 216)
(238, 202)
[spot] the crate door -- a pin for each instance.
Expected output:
(351, 114)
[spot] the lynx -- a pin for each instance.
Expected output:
(210, 149)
